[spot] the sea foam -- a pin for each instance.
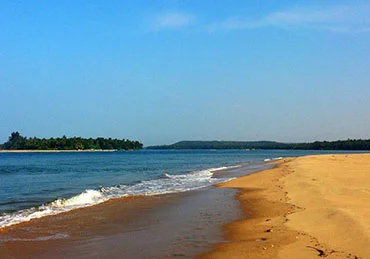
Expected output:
(168, 183)
(272, 159)
(40, 238)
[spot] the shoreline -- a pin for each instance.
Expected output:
(48, 209)
(301, 207)
(304, 207)
(188, 224)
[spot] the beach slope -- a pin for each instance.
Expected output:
(306, 207)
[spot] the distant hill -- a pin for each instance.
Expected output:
(223, 145)
(350, 144)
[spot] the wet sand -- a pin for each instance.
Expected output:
(165, 226)
(142, 227)
(306, 207)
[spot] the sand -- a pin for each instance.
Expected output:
(306, 207)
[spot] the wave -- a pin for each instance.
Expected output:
(224, 168)
(272, 159)
(166, 184)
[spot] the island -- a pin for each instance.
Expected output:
(18, 142)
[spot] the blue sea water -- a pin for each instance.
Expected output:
(34, 185)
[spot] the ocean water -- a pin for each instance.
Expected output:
(34, 185)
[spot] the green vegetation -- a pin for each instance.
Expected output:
(18, 142)
(222, 145)
(350, 144)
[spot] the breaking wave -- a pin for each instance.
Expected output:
(166, 184)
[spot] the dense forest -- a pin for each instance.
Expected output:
(18, 142)
(350, 144)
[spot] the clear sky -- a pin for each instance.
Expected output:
(165, 71)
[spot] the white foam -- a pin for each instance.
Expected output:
(272, 159)
(167, 184)
(174, 183)
(41, 238)
(89, 197)
(224, 168)
(85, 199)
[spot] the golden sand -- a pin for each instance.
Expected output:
(307, 207)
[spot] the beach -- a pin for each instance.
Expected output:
(306, 207)
(160, 226)
(163, 226)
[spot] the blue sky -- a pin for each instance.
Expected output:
(164, 71)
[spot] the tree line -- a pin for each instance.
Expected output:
(349, 144)
(17, 142)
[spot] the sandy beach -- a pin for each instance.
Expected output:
(183, 224)
(306, 207)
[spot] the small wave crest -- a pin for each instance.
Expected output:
(167, 183)
(166, 176)
(88, 197)
(85, 199)
(272, 159)
(224, 168)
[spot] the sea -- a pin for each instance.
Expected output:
(35, 185)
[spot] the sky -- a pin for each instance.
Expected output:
(165, 71)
